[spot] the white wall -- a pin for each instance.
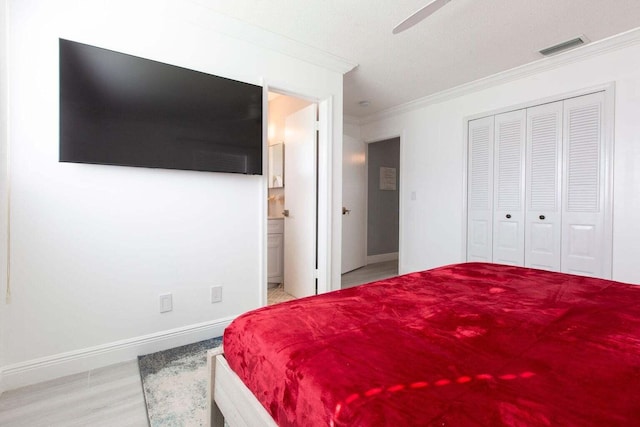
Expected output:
(433, 155)
(3, 176)
(93, 246)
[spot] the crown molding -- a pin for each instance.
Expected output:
(202, 15)
(616, 42)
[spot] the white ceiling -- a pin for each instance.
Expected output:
(464, 41)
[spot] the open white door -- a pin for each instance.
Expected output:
(354, 190)
(300, 202)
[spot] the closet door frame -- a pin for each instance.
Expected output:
(608, 125)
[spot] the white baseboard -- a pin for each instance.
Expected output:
(77, 361)
(391, 256)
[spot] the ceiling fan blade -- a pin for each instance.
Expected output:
(419, 15)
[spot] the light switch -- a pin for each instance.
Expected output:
(166, 303)
(216, 294)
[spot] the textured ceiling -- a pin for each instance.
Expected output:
(464, 41)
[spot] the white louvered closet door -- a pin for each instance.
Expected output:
(584, 249)
(480, 190)
(508, 190)
(543, 196)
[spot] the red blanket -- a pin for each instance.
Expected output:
(463, 345)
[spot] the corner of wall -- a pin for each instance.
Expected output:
(351, 129)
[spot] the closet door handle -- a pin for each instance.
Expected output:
(542, 217)
(508, 216)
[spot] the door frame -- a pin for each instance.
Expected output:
(324, 222)
(401, 190)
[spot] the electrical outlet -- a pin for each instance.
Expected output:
(216, 294)
(166, 303)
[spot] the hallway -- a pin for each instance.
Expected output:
(370, 273)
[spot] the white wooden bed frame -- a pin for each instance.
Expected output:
(229, 399)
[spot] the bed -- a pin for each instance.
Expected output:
(471, 344)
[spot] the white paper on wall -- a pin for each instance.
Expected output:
(388, 178)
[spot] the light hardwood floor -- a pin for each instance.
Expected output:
(105, 397)
(112, 396)
(366, 274)
(370, 273)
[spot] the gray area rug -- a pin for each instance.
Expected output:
(174, 382)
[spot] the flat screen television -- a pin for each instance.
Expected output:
(118, 109)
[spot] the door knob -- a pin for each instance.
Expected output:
(345, 211)
(508, 216)
(541, 217)
(285, 212)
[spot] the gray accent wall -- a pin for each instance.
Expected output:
(382, 205)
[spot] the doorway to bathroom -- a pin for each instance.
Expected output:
(292, 197)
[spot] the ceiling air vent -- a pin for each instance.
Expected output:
(566, 45)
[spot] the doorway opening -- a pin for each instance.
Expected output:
(380, 239)
(292, 198)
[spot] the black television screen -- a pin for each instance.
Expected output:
(118, 109)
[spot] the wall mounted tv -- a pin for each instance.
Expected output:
(118, 109)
